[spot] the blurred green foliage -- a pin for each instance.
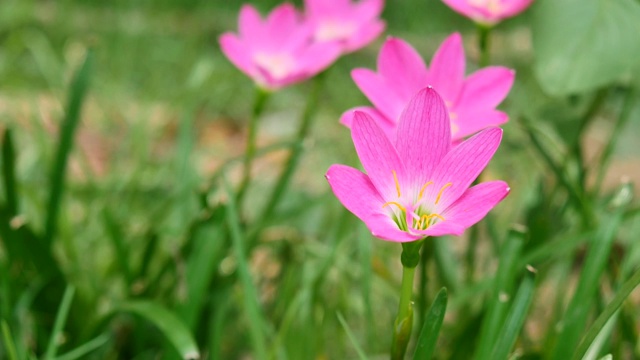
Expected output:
(123, 203)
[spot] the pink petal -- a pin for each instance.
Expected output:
(385, 124)
(461, 6)
(382, 227)
(424, 135)
(281, 25)
(356, 192)
(377, 155)
(368, 9)
(324, 7)
(485, 89)
(462, 165)
(446, 73)
(471, 123)
(236, 51)
(512, 8)
(318, 57)
(364, 36)
(377, 91)
(250, 23)
(476, 202)
(402, 68)
(444, 228)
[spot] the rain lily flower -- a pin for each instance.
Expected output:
(279, 50)
(488, 12)
(401, 73)
(354, 25)
(417, 185)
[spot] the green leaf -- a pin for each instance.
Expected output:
(8, 172)
(167, 322)
(68, 128)
(61, 319)
(10, 346)
(574, 320)
(502, 290)
(431, 328)
(608, 313)
(251, 305)
(85, 348)
(515, 318)
(584, 44)
(352, 337)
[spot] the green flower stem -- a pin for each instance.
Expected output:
(484, 37)
(260, 101)
(296, 152)
(404, 321)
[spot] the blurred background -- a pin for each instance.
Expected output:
(140, 232)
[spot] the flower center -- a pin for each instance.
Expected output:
(330, 30)
(414, 216)
(278, 65)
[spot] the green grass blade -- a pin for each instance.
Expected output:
(8, 172)
(431, 328)
(85, 348)
(61, 319)
(574, 320)
(601, 340)
(208, 249)
(10, 346)
(351, 337)
(608, 312)
(68, 128)
(515, 318)
(122, 251)
(251, 306)
(168, 323)
(502, 286)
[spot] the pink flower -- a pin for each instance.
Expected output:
(417, 185)
(401, 73)
(488, 12)
(278, 51)
(354, 25)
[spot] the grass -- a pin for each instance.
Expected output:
(123, 137)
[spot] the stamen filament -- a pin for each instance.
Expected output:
(424, 187)
(396, 204)
(395, 178)
(441, 191)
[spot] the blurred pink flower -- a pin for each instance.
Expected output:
(418, 184)
(488, 12)
(354, 25)
(401, 73)
(277, 51)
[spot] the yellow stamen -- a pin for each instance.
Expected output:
(396, 204)
(423, 189)
(441, 191)
(395, 178)
(425, 221)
